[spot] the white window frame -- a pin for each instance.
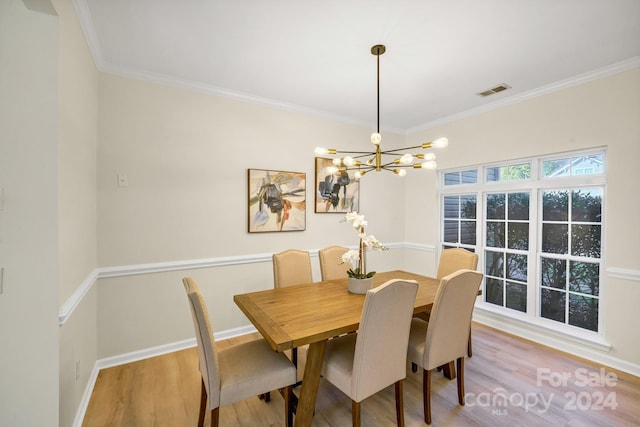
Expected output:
(535, 185)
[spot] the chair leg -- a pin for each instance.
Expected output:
(469, 352)
(399, 404)
(426, 395)
(215, 417)
(355, 413)
(460, 367)
(288, 410)
(203, 404)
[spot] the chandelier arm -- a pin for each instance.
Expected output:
(400, 149)
(364, 153)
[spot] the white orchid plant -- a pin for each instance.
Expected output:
(356, 258)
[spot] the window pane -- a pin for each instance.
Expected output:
(508, 173)
(552, 304)
(517, 267)
(468, 207)
(451, 206)
(586, 205)
(585, 240)
(554, 273)
(519, 236)
(583, 312)
(555, 238)
(470, 176)
(451, 178)
(555, 206)
(587, 165)
(584, 277)
(494, 262)
(519, 206)
(517, 296)
(495, 206)
(495, 234)
(556, 168)
(451, 231)
(468, 232)
(494, 291)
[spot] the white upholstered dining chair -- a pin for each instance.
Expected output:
(331, 265)
(238, 372)
(444, 338)
(364, 363)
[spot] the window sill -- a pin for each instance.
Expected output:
(537, 330)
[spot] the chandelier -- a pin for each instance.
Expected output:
(366, 161)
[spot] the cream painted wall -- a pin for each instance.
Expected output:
(604, 112)
(186, 156)
(28, 217)
(77, 206)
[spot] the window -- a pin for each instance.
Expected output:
(538, 232)
(570, 256)
(506, 249)
(459, 225)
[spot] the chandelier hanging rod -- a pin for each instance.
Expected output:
(397, 165)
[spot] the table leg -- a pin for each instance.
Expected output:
(310, 384)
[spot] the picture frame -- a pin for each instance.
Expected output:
(276, 201)
(335, 193)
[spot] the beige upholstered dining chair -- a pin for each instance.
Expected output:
(237, 372)
(291, 267)
(331, 265)
(452, 260)
(444, 338)
(364, 363)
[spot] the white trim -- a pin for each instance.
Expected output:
(86, 397)
(623, 273)
(76, 297)
(619, 67)
(594, 350)
(135, 356)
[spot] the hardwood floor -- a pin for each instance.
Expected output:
(508, 382)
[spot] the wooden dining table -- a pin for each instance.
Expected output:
(313, 313)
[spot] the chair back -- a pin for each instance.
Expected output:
(207, 355)
(450, 320)
(380, 357)
(291, 267)
(331, 265)
(452, 260)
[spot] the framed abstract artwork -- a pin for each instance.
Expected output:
(335, 192)
(277, 201)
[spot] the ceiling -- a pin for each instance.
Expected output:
(315, 56)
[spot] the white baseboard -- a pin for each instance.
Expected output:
(134, 356)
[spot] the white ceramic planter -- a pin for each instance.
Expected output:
(359, 286)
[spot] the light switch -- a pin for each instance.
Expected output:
(123, 181)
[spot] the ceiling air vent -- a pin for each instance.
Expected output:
(496, 89)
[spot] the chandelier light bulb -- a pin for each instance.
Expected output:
(429, 156)
(336, 161)
(441, 142)
(400, 172)
(357, 175)
(431, 164)
(406, 159)
(332, 169)
(319, 151)
(348, 161)
(376, 138)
